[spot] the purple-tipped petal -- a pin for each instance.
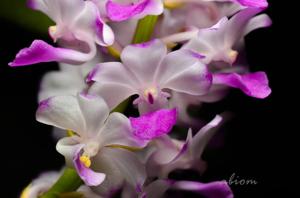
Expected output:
(253, 84)
(39, 51)
(89, 177)
(218, 189)
(121, 12)
(154, 124)
(253, 3)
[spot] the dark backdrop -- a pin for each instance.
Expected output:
(260, 141)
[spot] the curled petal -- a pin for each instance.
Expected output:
(121, 12)
(90, 177)
(39, 51)
(253, 84)
(154, 124)
(260, 21)
(170, 156)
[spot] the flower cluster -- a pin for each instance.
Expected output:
(159, 55)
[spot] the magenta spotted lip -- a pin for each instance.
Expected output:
(154, 124)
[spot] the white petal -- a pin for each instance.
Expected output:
(94, 110)
(63, 112)
(201, 139)
(260, 21)
(118, 165)
(113, 82)
(183, 71)
(58, 83)
(67, 147)
(58, 9)
(236, 26)
(143, 59)
(118, 131)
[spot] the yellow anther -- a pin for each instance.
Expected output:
(86, 161)
(151, 90)
(25, 192)
(233, 55)
(70, 133)
(114, 52)
(171, 4)
(52, 29)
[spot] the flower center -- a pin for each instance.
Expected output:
(90, 150)
(151, 94)
(85, 160)
(232, 54)
(52, 32)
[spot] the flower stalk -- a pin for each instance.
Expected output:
(144, 29)
(69, 181)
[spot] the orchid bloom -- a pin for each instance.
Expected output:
(173, 154)
(101, 140)
(97, 133)
(217, 42)
(78, 29)
(149, 72)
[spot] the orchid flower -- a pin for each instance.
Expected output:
(217, 42)
(252, 84)
(173, 154)
(78, 29)
(101, 140)
(149, 72)
(97, 135)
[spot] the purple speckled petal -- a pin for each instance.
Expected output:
(89, 177)
(40, 51)
(218, 189)
(253, 84)
(253, 3)
(154, 124)
(121, 12)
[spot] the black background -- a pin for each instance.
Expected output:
(260, 141)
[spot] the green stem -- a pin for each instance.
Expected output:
(144, 29)
(69, 181)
